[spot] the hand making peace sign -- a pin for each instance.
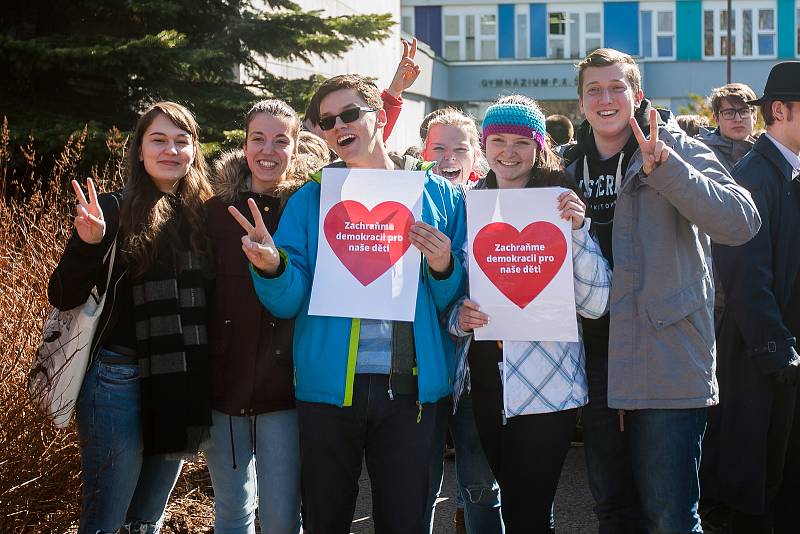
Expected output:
(257, 245)
(407, 70)
(654, 152)
(89, 221)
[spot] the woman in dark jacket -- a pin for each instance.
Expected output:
(254, 455)
(144, 402)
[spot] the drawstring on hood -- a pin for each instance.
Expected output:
(233, 448)
(728, 151)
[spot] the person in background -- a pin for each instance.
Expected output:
(656, 203)
(560, 129)
(753, 467)
(733, 136)
(730, 141)
(413, 151)
(453, 143)
(691, 124)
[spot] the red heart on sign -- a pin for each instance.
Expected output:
(520, 264)
(368, 242)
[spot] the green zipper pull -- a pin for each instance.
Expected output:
(419, 413)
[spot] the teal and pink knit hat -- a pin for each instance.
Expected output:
(518, 119)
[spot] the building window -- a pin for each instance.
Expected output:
(469, 34)
(407, 20)
(574, 33)
(522, 33)
(752, 30)
(766, 32)
(657, 22)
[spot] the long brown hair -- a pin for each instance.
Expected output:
(146, 210)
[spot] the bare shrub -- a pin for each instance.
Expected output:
(40, 465)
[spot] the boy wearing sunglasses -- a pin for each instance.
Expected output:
(365, 388)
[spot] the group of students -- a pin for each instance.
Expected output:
(206, 343)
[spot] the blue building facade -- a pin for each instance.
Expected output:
(479, 49)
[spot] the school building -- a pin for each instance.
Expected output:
(475, 50)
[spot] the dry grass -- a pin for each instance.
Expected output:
(39, 465)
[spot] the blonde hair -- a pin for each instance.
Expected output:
(312, 154)
(451, 116)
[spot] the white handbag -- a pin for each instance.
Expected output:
(59, 366)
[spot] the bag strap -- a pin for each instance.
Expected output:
(112, 251)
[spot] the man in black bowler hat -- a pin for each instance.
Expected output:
(751, 457)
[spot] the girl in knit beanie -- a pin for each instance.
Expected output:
(526, 412)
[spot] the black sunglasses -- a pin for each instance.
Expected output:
(348, 115)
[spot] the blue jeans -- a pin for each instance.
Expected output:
(476, 489)
(121, 487)
(268, 476)
(643, 480)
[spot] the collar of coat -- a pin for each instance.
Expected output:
(772, 153)
(231, 176)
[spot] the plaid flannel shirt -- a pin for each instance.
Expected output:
(546, 376)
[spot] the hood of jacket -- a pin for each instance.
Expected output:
(231, 176)
(729, 149)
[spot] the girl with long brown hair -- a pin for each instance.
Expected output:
(144, 402)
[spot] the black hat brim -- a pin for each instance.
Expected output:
(790, 97)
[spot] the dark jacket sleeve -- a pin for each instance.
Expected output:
(81, 265)
(746, 273)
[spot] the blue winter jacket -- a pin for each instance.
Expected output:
(325, 348)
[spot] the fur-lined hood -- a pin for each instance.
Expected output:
(231, 176)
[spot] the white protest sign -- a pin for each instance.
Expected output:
(366, 266)
(520, 264)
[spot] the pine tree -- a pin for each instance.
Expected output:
(67, 63)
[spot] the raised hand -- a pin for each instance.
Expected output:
(257, 244)
(433, 244)
(654, 152)
(407, 70)
(89, 221)
(470, 317)
(572, 208)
